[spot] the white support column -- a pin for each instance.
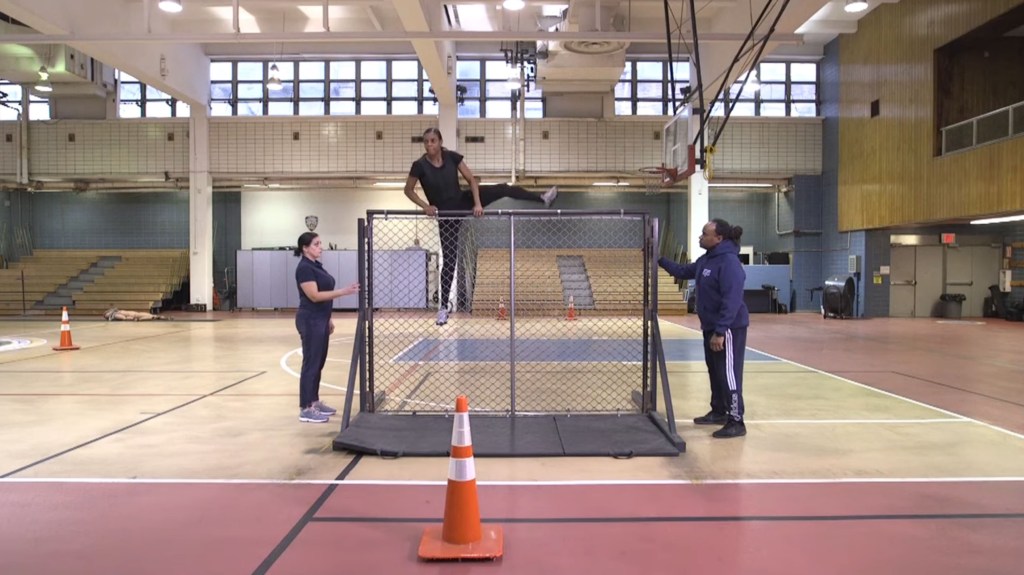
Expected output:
(448, 110)
(698, 208)
(200, 210)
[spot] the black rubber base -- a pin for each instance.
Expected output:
(523, 436)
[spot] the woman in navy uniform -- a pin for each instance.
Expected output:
(313, 321)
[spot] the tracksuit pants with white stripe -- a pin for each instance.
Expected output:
(726, 370)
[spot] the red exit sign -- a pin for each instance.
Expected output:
(948, 239)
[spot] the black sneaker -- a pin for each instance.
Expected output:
(732, 429)
(711, 418)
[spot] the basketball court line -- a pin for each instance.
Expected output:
(883, 392)
(516, 483)
(298, 351)
(845, 421)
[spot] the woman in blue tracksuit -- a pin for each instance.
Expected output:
(723, 319)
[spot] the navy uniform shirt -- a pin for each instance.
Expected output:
(313, 271)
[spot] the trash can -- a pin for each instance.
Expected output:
(952, 305)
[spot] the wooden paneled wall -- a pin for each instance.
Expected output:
(888, 172)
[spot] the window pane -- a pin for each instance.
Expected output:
(285, 93)
(773, 92)
(405, 69)
(343, 89)
(534, 109)
(805, 91)
(130, 91)
(623, 90)
(748, 93)
(158, 109)
(804, 109)
(220, 109)
(498, 109)
(311, 108)
(343, 70)
(649, 109)
(39, 111)
(220, 91)
(649, 90)
(373, 69)
(496, 70)
(405, 108)
(499, 89)
(249, 90)
(681, 70)
(373, 108)
(744, 109)
(718, 110)
(627, 72)
(472, 89)
(803, 72)
(13, 92)
(373, 89)
(405, 89)
(250, 70)
(773, 109)
(649, 70)
(343, 108)
(311, 70)
(281, 109)
(250, 108)
(220, 71)
(285, 70)
(534, 93)
(470, 109)
(154, 94)
(772, 72)
(311, 89)
(429, 108)
(182, 110)
(9, 114)
(468, 70)
(623, 108)
(129, 110)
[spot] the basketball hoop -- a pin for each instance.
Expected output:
(657, 178)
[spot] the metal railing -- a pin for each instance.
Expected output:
(995, 126)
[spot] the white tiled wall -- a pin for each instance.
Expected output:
(764, 146)
(8, 150)
(325, 146)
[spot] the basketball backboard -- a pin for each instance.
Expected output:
(678, 152)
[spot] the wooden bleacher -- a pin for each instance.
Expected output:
(140, 281)
(615, 276)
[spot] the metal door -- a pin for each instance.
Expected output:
(928, 281)
(985, 262)
(902, 265)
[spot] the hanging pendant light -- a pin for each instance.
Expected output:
(172, 6)
(513, 4)
(274, 82)
(44, 85)
(854, 6)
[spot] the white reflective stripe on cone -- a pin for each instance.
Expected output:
(64, 315)
(460, 431)
(65, 327)
(461, 469)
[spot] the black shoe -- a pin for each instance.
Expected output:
(711, 418)
(732, 429)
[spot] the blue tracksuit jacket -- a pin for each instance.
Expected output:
(720, 278)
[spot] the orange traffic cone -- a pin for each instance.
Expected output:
(570, 315)
(461, 536)
(502, 312)
(65, 332)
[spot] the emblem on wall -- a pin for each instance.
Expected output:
(311, 222)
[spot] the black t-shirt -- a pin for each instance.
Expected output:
(440, 184)
(313, 271)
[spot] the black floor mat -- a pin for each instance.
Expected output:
(524, 436)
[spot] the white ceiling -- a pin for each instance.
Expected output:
(170, 50)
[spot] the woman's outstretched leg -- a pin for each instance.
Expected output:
(494, 192)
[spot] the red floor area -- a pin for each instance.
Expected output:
(856, 528)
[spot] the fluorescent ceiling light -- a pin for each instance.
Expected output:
(854, 6)
(1002, 220)
(513, 4)
(172, 6)
(741, 185)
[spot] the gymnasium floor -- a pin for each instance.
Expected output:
(174, 447)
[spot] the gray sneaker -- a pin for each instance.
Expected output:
(311, 415)
(442, 316)
(324, 408)
(549, 196)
